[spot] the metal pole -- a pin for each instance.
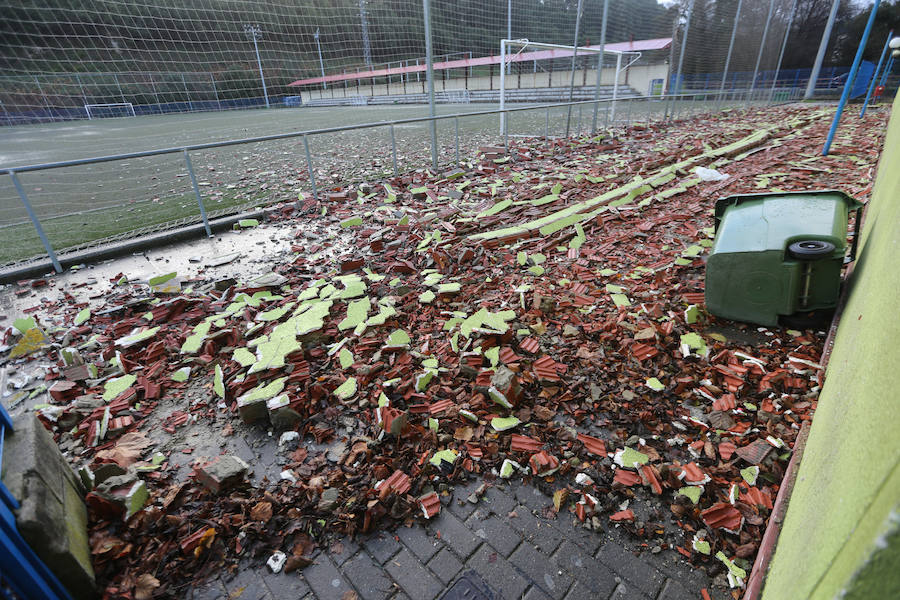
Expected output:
(599, 66)
(503, 86)
(849, 84)
(309, 167)
(35, 222)
(255, 32)
(190, 168)
(884, 51)
(155, 93)
(43, 97)
(684, 39)
(509, 28)
(321, 64)
(367, 49)
(762, 45)
(187, 94)
(215, 91)
(456, 126)
(574, 55)
(394, 150)
(616, 88)
(81, 86)
(820, 55)
(787, 33)
(547, 125)
(887, 70)
(426, 6)
(737, 16)
(119, 85)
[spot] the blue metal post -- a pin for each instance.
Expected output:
(35, 222)
(884, 52)
(850, 77)
(887, 70)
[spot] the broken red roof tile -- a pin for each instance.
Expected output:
(592, 444)
(626, 515)
(430, 505)
(626, 477)
(523, 443)
(755, 452)
(530, 345)
(723, 515)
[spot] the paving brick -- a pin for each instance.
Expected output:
(412, 576)
(675, 567)
(538, 531)
(368, 577)
(499, 500)
(672, 590)
(459, 506)
(346, 548)
(382, 546)
(420, 541)
(542, 570)
(580, 591)
(631, 567)
(210, 590)
(455, 534)
(495, 531)
(574, 531)
(535, 593)
(532, 497)
(326, 581)
(445, 565)
(497, 572)
(593, 575)
(285, 585)
(626, 591)
(247, 584)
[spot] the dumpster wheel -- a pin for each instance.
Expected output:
(810, 249)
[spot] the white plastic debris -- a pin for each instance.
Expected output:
(276, 561)
(710, 174)
(287, 437)
(288, 475)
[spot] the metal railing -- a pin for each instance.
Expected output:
(616, 112)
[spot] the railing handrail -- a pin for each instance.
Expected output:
(310, 132)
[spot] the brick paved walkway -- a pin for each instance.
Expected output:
(521, 556)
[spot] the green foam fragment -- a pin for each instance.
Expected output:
(352, 222)
(692, 492)
(347, 389)
(504, 423)
(655, 384)
(219, 382)
(82, 316)
(114, 387)
(357, 312)
(181, 375)
(345, 357)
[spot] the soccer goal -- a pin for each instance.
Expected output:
(534, 52)
(114, 109)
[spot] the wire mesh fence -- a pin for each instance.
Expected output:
(62, 61)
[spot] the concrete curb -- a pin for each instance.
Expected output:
(117, 249)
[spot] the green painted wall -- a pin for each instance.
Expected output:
(842, 529)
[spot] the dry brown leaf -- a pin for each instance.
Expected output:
(144, 586)
(127, 451)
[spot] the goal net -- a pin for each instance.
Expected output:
(114, 109)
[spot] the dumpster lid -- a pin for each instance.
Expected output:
(722, 204)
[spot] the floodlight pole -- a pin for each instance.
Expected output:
(762, 45)
(367, 48)
(820, 55)
(600, 66)
(684, 39)
(737, 16)
(574, 56)
(321, 64)
(255, 33)
(849, 84)
(426, 6)
(509, 28)
(787, 33)
(884, 52)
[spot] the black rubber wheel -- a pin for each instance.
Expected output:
(810, 249)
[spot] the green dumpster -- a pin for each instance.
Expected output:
(778, 255)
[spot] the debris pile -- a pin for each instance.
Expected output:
(537, 315)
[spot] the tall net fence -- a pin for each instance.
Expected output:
(65, 60)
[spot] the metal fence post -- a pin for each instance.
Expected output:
(187, 94)
(215, 91)
(547, 125)
(574, 55)
(787, 33)
(762, 45)
(35, 221)
(737, 16)
(394, 150)
(155, 93)
(190, 168)
(884, 51)
(312, 178)
(426, 7)
(684, 39)
(599, 66)
(456, 126)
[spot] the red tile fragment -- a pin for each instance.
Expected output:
(592, 444)
(523, 443)
(755, 452)
(430, 505)
(530, 345)
(756, 497)
(643, 351)
(725, 403)
(649, 478)
(626, 478)
(440, 406)
(723, 515)
(622, 516)
(397, 483)
(726, 450)
(542, 463)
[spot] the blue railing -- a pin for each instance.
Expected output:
(829, 78)
(23, 576)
